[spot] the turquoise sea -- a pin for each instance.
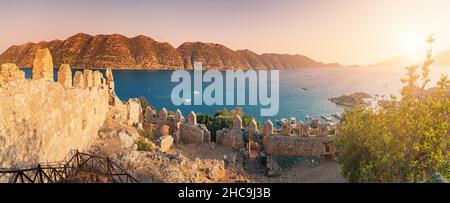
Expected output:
(302, 92)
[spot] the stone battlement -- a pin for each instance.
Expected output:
(183, 130)
(42, 120)
(291, 140)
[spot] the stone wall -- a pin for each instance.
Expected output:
(234, 137)
(183, 130)
(284, 143)
(275, 142)
(230, 138)
(42, 120)
(197, 133)
(279, 145)
(10, 73)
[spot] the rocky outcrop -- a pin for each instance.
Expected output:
(357, 98)
(141, 52)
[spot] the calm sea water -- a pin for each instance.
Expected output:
(302, 92)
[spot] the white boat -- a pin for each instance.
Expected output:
(327, 119)
(337, 115)
(331, 124)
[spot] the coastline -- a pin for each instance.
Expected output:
(174, 69)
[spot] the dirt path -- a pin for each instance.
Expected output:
(326, 172)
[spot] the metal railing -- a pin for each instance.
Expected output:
(75, 163)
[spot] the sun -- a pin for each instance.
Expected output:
(413, 45)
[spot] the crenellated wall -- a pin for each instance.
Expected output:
(277, 142)
(42, 120)
(233, 137)
(282, 142)
(279, 145)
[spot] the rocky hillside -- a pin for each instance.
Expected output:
(141, 52)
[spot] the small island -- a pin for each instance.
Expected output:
(357, 98)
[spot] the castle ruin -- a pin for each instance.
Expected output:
(41, 120)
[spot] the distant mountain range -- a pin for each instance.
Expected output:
(440, 59)
(443, 58)
(399, 61)
(142, 52)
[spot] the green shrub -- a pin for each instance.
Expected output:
(224, 119)
(406, 140)
(144, 146)
(147, 134)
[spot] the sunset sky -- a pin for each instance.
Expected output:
(343, 31)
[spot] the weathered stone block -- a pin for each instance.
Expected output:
(237, 122)
(164, 130)
(163, 114)
(134, 111)
(42, 65)
(230, 138)
(88, 78)
(78, 80)
(165, 143)
(9, 72)
(192, 118)
(149, 114)
(178, 116)
(65, 76)
(97, 79)
(194, 133)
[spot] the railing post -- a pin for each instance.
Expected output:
(40, 173)
(77, 159)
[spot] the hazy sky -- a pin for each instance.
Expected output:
(344, 31)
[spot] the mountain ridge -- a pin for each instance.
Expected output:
(142, 52)
(440, 59)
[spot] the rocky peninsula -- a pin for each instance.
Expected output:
(357, 98)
